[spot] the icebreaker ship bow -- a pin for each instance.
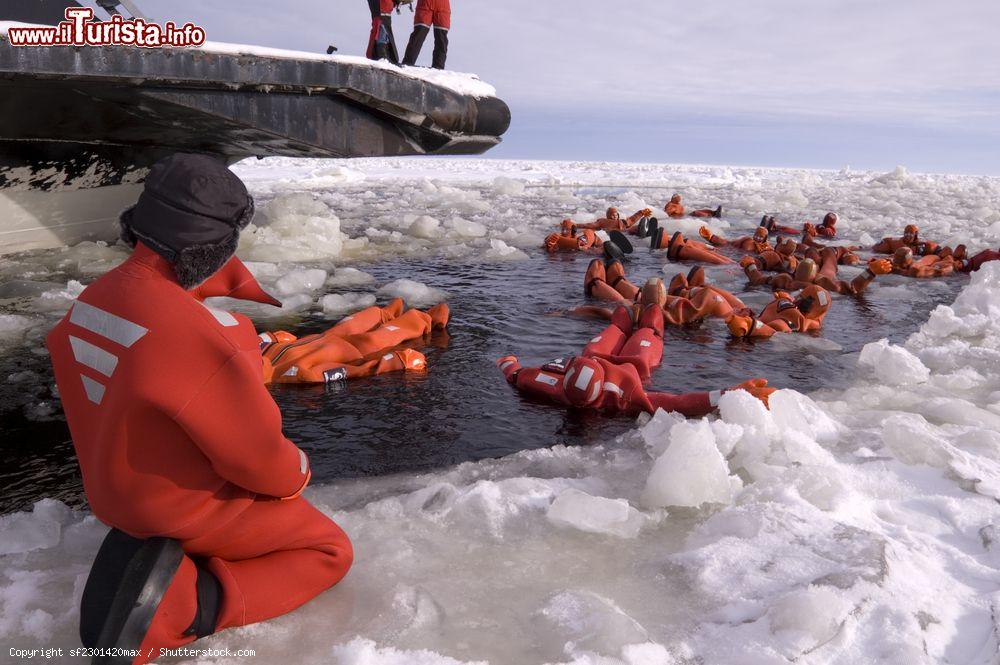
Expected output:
(79, 126)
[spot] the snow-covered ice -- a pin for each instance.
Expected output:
(856, 525)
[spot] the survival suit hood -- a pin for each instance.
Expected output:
(190, 212)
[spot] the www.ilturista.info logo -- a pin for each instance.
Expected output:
(79, 30)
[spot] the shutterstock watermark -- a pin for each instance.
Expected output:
(79, 30)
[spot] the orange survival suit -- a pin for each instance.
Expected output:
(608, 376)
(177, 436)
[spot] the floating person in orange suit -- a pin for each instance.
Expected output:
(675, 209)
(784, 314)
(608, 375)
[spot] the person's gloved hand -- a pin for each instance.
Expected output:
(647, 212)
(747, 261)
(782, 295)
(880, 266)
(705, 233)
(503, 361)
(739, 326)
(758, 388)
(412, 359)
(551, 241)
(809, 230)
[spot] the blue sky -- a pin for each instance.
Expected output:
(821, 83)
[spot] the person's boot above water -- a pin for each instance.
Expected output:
(179, 442)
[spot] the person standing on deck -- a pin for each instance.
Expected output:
(430, 13)
(381, 41)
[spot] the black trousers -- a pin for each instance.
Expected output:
(417, 42)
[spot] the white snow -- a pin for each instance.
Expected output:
(855, 525)
(462, 83)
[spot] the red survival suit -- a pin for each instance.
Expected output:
(977, 261)
(608, 375)
(177, 436)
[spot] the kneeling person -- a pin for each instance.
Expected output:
(179, 443)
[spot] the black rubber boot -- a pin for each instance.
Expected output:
(654, 224)
(621, 240)
(658, 239)
(612, 252)
(718, 212)
(125, 586)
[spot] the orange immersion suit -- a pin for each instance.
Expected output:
(177, 436)
(828, 227)
(688, 305)
(345, 351)
(567, 240)
(785, 314)
(928, 266)
(675, 209)
(680, 249)
(612, 221)
(608, 376)
(756, 243)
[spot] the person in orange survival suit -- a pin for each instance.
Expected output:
(613, 244)
(680, 249)
(774, 228)
(436, 13)
(931, 265)
(784, 314)
(845, 253)
(911, 238)
(675, 209)
(608, 376)
(756, 243)
(569, 240)
(612, 221)
(179, 442)
(346, 350)
(807, 272)
(688, 300)
(828, 227)
(696, 304)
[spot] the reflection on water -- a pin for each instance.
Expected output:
(462, 409)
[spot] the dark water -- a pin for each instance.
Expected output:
(462, 409)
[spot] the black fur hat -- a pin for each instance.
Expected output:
(190, 212)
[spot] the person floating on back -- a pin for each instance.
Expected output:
(430, 13)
